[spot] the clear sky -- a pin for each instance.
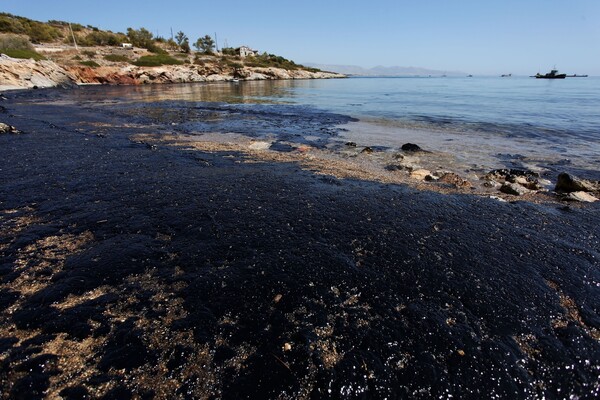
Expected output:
(474, 36)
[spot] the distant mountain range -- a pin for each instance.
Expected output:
(381, 70)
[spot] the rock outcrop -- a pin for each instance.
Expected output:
(24, 74)
(28, 74)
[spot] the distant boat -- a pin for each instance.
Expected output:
(469, 76)
(577, 76)
(505, 75)
(551, 75)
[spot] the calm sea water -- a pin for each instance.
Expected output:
(486, 122)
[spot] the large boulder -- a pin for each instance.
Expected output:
(569, 183)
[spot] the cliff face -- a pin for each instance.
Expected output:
(23, 74)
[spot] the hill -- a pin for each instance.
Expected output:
(86, 54)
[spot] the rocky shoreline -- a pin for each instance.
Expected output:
(28, 74)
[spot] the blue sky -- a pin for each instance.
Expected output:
(479, 37)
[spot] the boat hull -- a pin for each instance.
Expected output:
(561, 76)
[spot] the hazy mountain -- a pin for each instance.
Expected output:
(381, 70)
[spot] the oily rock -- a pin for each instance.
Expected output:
(514, 188)
(569, 183)
(410, 147)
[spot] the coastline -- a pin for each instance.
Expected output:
(139, 260)
(27, 74)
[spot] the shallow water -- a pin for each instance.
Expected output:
(484, 123)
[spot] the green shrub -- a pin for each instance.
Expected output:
(156, 61)
(8, 41)
(37, 31)
(90, 63)
(116, 58)
(58, 23)
(270, 60)
(10, 24)
(77, 27)
(98, 38)
(20, 53)
(228, 51)
(88, 53)
(77, 58)
(231, 63)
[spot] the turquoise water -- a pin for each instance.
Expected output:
(546, 125)
(484, 122)
(515, 106)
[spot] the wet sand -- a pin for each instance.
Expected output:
(139, 260)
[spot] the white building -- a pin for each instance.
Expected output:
(245, 51)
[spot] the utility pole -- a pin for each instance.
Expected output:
(216, 42)
(172, 37)
(73, 36)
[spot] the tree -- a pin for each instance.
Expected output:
(171, 44)
(205, 44)
(180, 38)
(141, 38)
(182, 42)
(185, 46)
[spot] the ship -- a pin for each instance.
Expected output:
(551, 75)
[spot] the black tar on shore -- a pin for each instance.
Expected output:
(137, 271)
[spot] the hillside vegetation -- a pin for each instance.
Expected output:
(99, 47)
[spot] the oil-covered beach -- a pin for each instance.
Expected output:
(257, 240)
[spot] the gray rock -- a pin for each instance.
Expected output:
(491, 183)
(583, 197)
(569, 183)
(514, 189)
(5, 128)
(394, 167)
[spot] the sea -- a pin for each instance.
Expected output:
(548, 126)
